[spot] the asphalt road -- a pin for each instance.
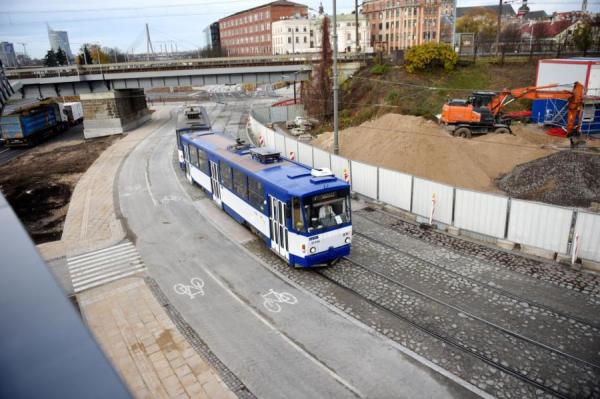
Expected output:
(306, 349)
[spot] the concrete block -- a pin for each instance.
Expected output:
(591, 265)
(505, 244)
(542, 253)
(455, 231)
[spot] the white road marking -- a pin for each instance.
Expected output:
(307, 355)
(2, 152)
(150, 189)
(195, 288)
(103, 266)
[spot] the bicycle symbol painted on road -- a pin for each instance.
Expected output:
(195, 288)
(273, 300)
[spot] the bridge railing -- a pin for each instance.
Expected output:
(153, 65)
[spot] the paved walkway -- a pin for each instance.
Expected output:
(145, 346)
(136, 333)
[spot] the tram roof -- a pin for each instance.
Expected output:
(292, 177)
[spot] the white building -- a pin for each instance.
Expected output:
(303, 35)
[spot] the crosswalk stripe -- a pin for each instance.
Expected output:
(99, 267)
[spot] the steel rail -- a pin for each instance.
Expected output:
(449, 341)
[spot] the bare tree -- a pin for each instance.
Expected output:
(317, 94)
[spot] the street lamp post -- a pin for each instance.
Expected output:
(336, 145)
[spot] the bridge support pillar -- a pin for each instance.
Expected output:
(113, 112)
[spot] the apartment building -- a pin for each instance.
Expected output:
(303, 35)
(249, 32)
(399, 24)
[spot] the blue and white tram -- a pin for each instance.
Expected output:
(303, 215)
(192, 118)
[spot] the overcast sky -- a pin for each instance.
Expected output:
(117, 23)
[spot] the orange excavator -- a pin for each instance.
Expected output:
(482, 111)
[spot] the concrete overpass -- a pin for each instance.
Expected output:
(97, 78)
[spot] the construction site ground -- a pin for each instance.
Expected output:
(420, 147)
(39, 183)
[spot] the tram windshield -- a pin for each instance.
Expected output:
(325, 210)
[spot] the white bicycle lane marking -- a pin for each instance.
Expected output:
(273, 300)
(195, 288)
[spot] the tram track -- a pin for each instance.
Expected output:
(482, 284)
(426, 327)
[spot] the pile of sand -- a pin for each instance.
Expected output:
(420, 147)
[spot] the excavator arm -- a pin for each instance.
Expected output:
(574, 98)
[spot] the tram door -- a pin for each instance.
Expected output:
(279, 231)
(214, 182)
(186, 157)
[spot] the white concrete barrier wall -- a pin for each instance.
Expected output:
(305, 154)
(364, 179)
(280, 144)
(588, 229)
(338, 164)
(321, 159)
(270, 138)
(291, 146)
(539, 225)
(423, 191)
(395, 188)
(481, 213)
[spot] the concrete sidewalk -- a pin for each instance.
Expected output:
(136, 333)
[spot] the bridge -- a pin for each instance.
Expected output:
(74, 80)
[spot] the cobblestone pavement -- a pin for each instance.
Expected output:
(518, 294)
(561, 276)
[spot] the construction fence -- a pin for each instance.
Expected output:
(560, 230)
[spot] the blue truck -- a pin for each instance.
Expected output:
(29, 126)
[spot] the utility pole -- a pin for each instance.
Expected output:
(498, 28)
(356, 24)
(149, 47)
(336, 144)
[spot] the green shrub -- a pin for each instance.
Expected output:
(379, 69)
(429, 56)
(392, 98)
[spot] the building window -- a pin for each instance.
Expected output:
(305, 39)
(289, 40)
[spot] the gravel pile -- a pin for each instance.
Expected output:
(566, 178)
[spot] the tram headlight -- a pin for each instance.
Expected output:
(313, 250)
(348, 240)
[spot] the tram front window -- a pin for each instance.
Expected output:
(326, 210)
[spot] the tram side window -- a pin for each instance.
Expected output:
(226, 179)
(297, 220)
(193, 155)
(178, 133)
(240, 184)
(202, 161)
(256, 194)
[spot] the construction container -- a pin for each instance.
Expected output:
(565, 72)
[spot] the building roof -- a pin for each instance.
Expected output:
(507, 10)
(540, 14)
(549, 29)
(277, 3)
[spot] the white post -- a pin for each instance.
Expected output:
(575, 249)
(336, 145)
(432, 208)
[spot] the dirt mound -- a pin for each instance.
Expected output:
(420, 147)
(566, 178)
